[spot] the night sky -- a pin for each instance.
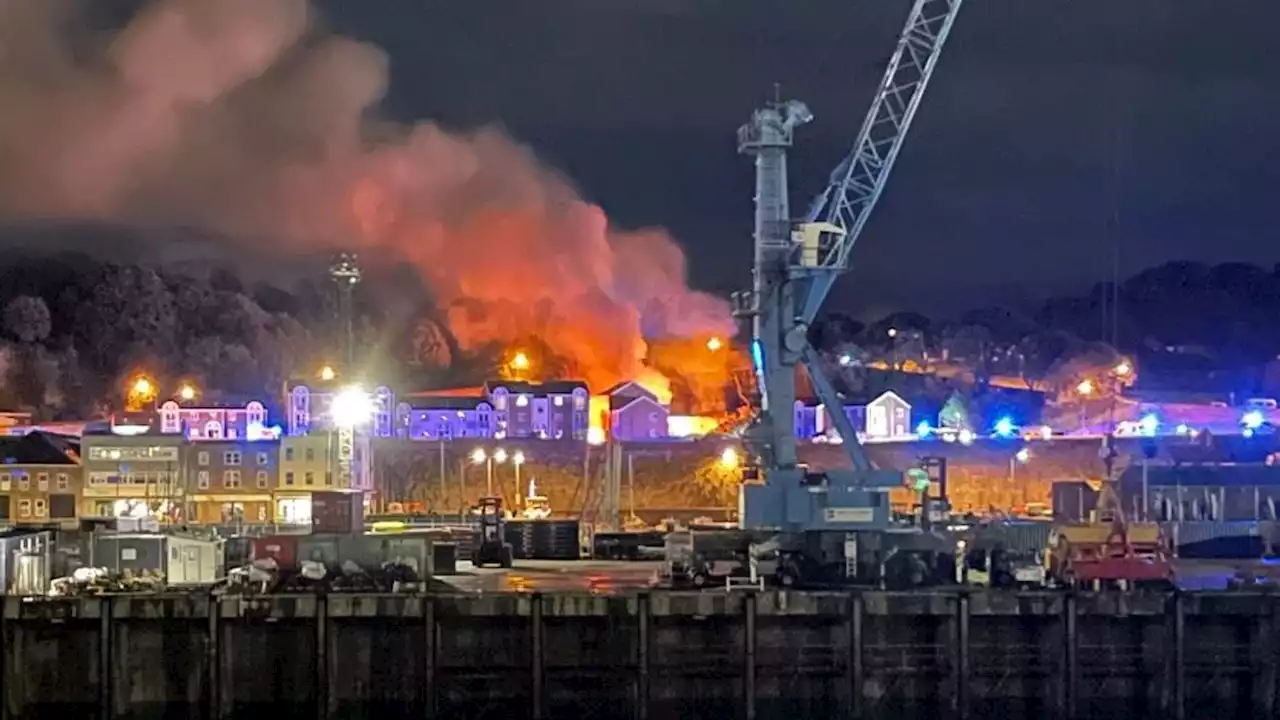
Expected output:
(1055, 131)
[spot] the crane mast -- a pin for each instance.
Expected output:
(793, 273)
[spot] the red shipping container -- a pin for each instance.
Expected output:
(282, 548)
(337, 512)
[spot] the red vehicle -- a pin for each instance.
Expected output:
(1132, 555)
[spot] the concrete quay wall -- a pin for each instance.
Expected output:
(662, 655)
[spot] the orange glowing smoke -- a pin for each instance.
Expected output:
(701, 370)
(240, 119)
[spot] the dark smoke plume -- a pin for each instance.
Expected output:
(240, 118)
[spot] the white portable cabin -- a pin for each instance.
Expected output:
(182, 560)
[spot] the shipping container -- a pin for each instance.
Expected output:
(627, 545)
(179, 559)
(281, 548)
(26, 562)
(1017, 536)
(557, 539)
(337, 512)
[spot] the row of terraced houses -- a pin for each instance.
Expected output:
(53, 479)
(225, 463)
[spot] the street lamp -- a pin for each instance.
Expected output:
(351, 408)
(187, 392)
(141, 392)
(1084, 390)
(1123, 368)
(479, 456)
(714, 344)
(729, 459)
(520, 362)
(327, 373)
(1022, 457)
(517, 459)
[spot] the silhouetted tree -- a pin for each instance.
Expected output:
(27, 318)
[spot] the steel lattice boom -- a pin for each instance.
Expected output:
(858, 181)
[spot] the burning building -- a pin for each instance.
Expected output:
(247, 122)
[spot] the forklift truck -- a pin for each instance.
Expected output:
(491, 547)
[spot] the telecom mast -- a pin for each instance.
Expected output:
(345, 274)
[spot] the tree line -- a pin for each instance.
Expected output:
(1179, 315)
(75, 326)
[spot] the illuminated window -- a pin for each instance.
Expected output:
(522, 401)
(213, 430)
(42, 482)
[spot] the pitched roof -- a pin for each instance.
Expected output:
(468, 392)
(618, 387)
(622, 402)
(889, 394)
(37, 448)
(554, 387)
(222, 402)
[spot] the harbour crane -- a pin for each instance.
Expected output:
(829, 523)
